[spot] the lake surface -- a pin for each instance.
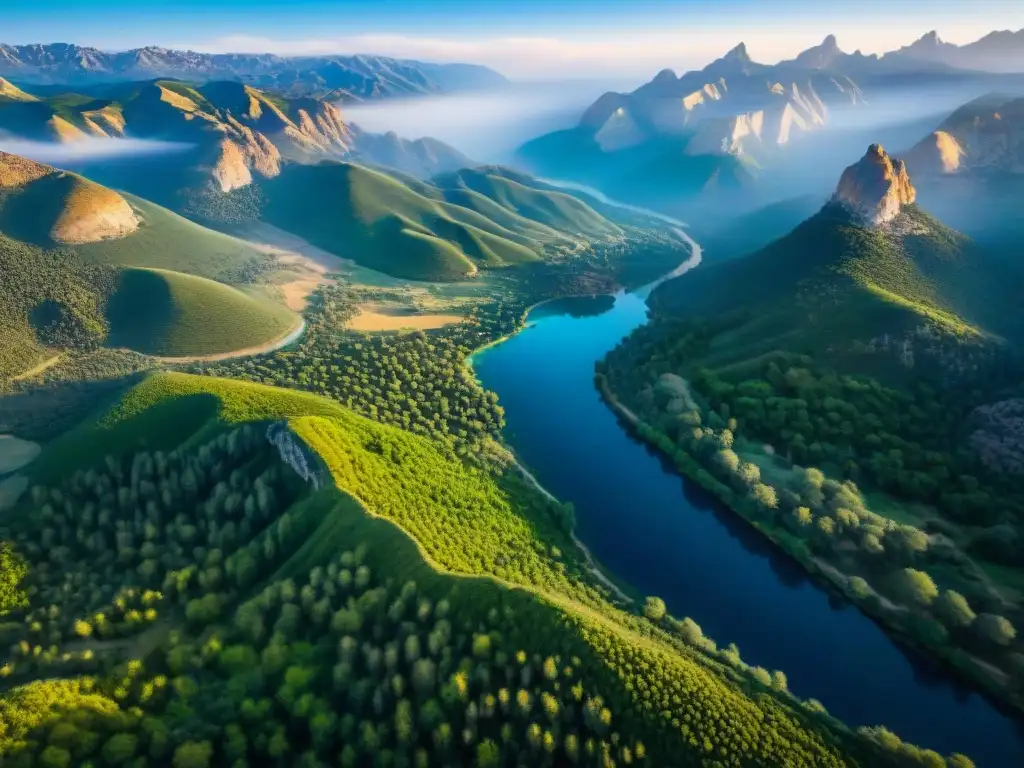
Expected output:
(667, 537)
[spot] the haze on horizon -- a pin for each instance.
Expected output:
(524, 39)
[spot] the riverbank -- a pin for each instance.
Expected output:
(884, 614)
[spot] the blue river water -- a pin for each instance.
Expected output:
(666, 537)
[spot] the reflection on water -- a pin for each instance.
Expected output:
(574, 306)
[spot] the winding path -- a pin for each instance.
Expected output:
(261, 349)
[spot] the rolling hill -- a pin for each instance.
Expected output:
(77, 257)
(172, 314)
(475, 219)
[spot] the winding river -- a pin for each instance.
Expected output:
(666, 537)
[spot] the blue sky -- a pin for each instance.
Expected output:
(524, 38)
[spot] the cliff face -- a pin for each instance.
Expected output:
(875, 187)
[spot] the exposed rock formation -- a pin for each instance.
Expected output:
(938, 153)
(736, 105)
(999, 437)
(295, 454)
(875, 187)
(986, 134)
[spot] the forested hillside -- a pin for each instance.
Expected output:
(310, 614)
(846, 391)
(446, 230)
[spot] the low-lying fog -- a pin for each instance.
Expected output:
(487, 127)
(87, 150)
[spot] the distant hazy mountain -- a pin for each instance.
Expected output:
(973, 163)
(238, 133)
(678, 138)
(343, 77)
(732, 106)
(678, 142)
(1001, 51)
(986, 134)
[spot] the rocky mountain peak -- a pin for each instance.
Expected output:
(875, 187)
(665, 76)
(738, 54)
(820, 56)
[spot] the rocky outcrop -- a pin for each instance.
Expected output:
(998, 439)
(296, 455)
(875, 187)
(938, 153)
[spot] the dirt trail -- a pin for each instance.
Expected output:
(38, 369)
(261, 349)
(311, 264)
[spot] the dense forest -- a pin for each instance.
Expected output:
(872, 485)
(417, 381)
(211, 599)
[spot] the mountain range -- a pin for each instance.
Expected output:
(233, 133)
(999, 51)
(346, 78)
(707, 138)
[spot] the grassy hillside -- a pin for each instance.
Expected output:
(166, 313)
(830, 282)
(525, 199)
(76, 261)
(346, 602)
(468, 221)
(833, 389)
(165, 240)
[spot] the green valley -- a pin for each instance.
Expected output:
(323, 443)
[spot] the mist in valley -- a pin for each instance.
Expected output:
(87, 151)
(486, 126)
